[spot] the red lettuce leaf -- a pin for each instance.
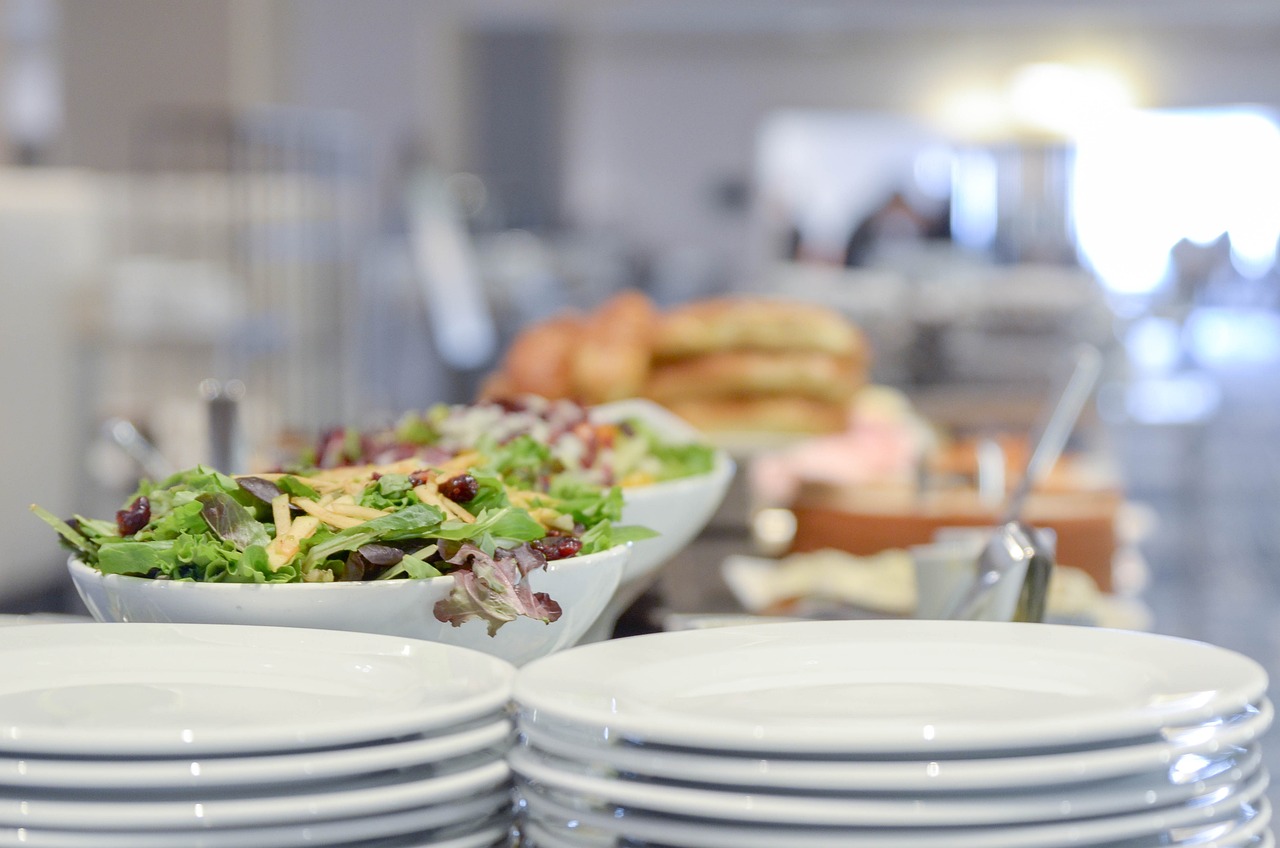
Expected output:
(495, 590)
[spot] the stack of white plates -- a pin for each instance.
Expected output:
(893, 734)
(202, 736)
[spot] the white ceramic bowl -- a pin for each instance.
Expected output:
(677, 509)
(583, 586)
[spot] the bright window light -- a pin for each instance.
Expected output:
(1146, 180)
(1225, 335)
(975, 113)
(1065, 99)
(974, 212)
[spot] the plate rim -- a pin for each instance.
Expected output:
(540, 689)
(862, 810)
(922, 775)
(1039, 835)
(201, 773)
(491, 690)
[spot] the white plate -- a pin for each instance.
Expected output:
(490, 815)
(538, 834)
(1235, 811)
(1006, 806)
(1184, 753)
(189, 689)
(888, 686)
(285, 768)
(346, 799)
(1253, 833)
(486, 837)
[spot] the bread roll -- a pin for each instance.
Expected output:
(539, 360)
(781, 414)
(742, 323)
(611, 356)
(819, 376)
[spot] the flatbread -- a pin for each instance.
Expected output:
(763, 324)
(728, 374)
(780, 414)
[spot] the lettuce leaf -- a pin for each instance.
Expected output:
(492, 528)
(605, 535)
(232, 522)
(137, 558)
(588, 504)
(494, 590)
(523, 462)
(674, 460)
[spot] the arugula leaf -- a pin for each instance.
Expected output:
(604, 535)
(413, 566)
(507, 524)
(295, 488)
(414, 522)
(70, 536)
(491, 493)
(96, 530)
(587, 504)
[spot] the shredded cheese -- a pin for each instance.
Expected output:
(285, 546)
(364, 513)
(329, 517)
(280, 514)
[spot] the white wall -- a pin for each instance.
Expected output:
(51, 237)
(123, 57)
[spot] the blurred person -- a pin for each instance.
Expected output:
(895, 222)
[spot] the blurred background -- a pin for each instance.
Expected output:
(225, 224)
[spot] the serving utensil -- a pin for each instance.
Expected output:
(1015, 545)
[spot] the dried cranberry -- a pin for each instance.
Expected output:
(557, 547)
(134, 517)
(422, 475)
(460, 489)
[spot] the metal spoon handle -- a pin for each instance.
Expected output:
(1057, 428)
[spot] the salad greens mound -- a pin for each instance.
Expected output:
(475, 517)
(530, 437)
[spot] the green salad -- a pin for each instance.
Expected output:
(533, 438)
(461, 515)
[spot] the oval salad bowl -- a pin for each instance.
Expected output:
(678, 510)
(581, 586)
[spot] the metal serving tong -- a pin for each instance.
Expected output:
(1014, 548)
(1014, 542)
